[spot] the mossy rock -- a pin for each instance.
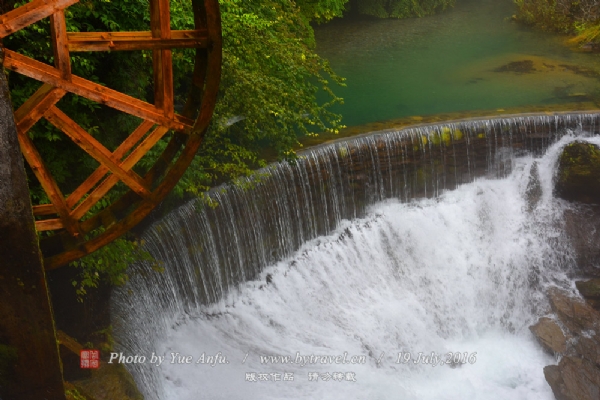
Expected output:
(578, 177)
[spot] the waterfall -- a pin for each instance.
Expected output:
(378, 246)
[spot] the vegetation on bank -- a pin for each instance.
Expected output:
(399, 8)
(580, 18)
(268, 99)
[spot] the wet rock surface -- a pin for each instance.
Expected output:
(574, 337)
(582, 227)
(550, 335)
(578, 175)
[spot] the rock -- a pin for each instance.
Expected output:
(550, 335)
(577, 375)
(533, 193)
(519, 67)
(588, 346)
(580, 380)
(555, 380)
(578, 177)
(575, 314)
(589, 289)
(582, 227)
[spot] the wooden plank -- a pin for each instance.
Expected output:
(30, 13)
(95, 149)
(48, 183)
(49, 225)
(69, 342)
(127, 41)
(132, 45)
(160, 26)
(163, 81)
(160, 19)
(112, 180)
(99, 173)
(58, 29)
(44, 209)
(93, 91)
(35, 107)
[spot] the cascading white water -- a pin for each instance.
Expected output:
(463, 272)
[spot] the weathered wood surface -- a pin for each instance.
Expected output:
(66, 211)
(128, 41)
(29, 360)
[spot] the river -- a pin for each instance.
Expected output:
(448, 63)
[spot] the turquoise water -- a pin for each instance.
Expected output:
(445, 63)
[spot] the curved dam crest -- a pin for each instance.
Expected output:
(208, 251)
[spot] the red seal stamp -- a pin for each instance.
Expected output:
(89, 359)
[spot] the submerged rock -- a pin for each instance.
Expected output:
(533, 193)
(520, 67)
(578, 177)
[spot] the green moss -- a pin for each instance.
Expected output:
(579, 173)
(73, 394)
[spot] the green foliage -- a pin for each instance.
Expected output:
(110, 263)
(401, 8)
(580, 17)
(271, 75)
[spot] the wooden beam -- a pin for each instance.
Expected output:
(95, 149)
(118, 154)
(44, 209)
(160, 26)
(48, 183)
(93, 91)
(35, 107)
(112, 180)
(58, 29)
(30, 13)
(49, 225)
(128, 41)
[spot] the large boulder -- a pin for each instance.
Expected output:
(574, 378)
(578, 177)
(574, 335)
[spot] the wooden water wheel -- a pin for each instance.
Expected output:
(76, 233)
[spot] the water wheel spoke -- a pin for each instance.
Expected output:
(102, 170)
(34, 108)
(160, 26)
(62, 61)
(112, 180)
(30, 13)
(49, 185)
(44, 209)
(95, 149)
(93, 91)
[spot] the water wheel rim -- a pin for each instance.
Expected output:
(83, 237)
